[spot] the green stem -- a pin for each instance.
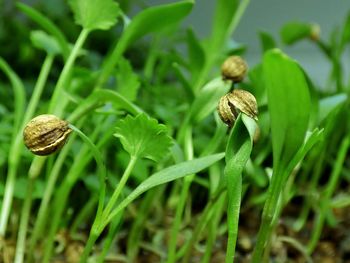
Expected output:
(49, 189)
(113, 229)
(326, 199)
(56, 107)
(63, 192)
(118, 190)
(84, 213)
(268, 214)
(202, 222)
(101, 222)
(182, 200)
(21, 240)
(16, 146)
(213, 228)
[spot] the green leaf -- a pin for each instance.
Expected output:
(196, 54)
(19, 94)
(312, 138)
(95, 14)
(328, 104)
(128, 82)
(295, 31)
(223, 23)
(207, 100)
(149, 20)
(288, 102)
(43, 41)
(345, 36)
(143, 137)
(238, 150)
(45, 23)
(167, 175)
(267, 41)
(155, 19)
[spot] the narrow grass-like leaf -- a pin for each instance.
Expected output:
(45, 42)
(238, 151)
(288, 102)
(316, 136)
(167, 175)
(95, 14)
(143, 137)
(46, 24)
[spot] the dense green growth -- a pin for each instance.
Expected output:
(149, 170)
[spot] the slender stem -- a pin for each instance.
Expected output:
(89, 245)
(16, 146)
(84, 213)
(234, 203)
(21, 240)
(63, 192)
(205, 216)
(101, 222)
(113, 229)
(49, 189)
(183, 198)
(326, 199)
(121, 184)
(55, 107)
(268, 214)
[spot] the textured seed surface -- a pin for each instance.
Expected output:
(231, 104)
(234, 68)
(245, 102)
(45, 134)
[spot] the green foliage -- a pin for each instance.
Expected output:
(289, 104)
(295, 31)
(117, 83)
(95, 14)
(143, 137)
(128, 82)
(45, 42)
(169, 174)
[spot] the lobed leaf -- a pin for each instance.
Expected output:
(143, 137)
(128, 82)
(95, 14)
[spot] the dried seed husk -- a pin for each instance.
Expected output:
(45, 134)
(231, 104)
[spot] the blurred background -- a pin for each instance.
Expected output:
(270, 16)
(261, 15)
